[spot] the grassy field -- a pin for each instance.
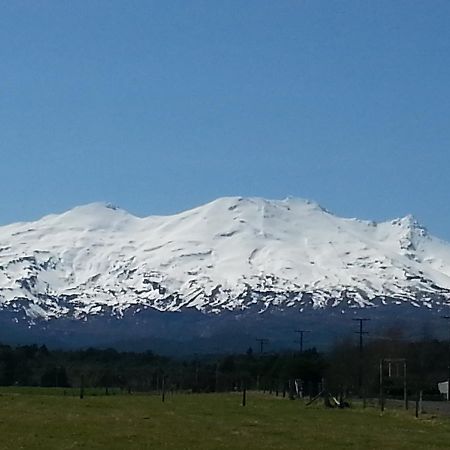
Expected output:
(45, 419)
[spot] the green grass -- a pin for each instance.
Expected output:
(32, 419)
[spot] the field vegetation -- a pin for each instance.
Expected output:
(42, 418)
(122, 407)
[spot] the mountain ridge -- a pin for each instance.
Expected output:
(231, 254)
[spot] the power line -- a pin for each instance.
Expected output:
(262, 342)
(361, 333)
(300, 341)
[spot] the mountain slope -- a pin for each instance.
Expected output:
(230, 254)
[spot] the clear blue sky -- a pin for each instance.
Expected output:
(159, 106)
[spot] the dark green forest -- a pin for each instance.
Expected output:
(344, 368)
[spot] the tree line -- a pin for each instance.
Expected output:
(337, 368)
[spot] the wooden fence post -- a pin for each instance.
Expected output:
(82, 387)
(163, 398)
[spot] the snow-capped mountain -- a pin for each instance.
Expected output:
(233, 254)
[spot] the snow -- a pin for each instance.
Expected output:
(97, 256)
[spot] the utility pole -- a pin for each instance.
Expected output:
(216, 389)
(405, 386)
(300, 341)
(448, 359)
(262, 342)
(360, 369)
(398, 362)
(381, 386)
